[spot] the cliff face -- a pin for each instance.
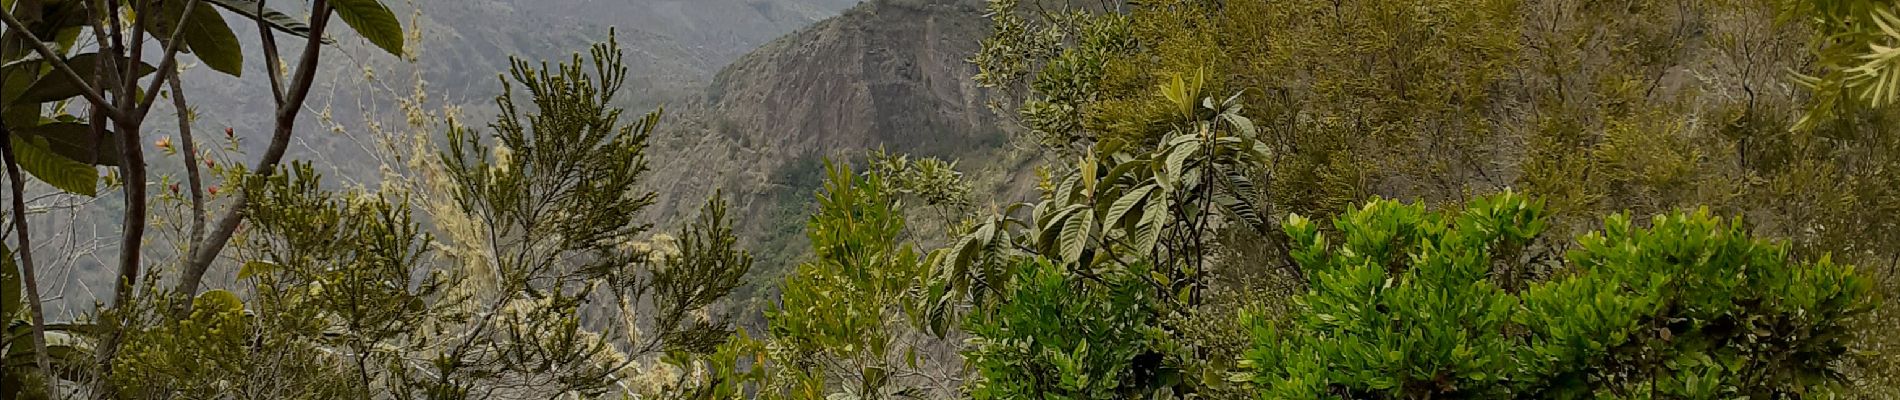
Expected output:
(885, 73)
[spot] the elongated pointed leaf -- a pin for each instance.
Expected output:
(1242, 125)
(276, 20)
(1066, 190)
(1176, 162)
(1051, 231)
(56, 87)
(1240, 184)
(1127, 202)
(1148, 231)
(39, 160)
(74, 141)
(1124, 170)
(1241, 210)
(373, 21)
(1075, 234)
(213, 41)
(29, 58)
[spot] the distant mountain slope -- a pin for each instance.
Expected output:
(885, 73)
(672, 47)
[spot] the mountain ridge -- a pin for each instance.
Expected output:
(884, 74)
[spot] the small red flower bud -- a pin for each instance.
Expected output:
(228, 132)
(174, 188)
(213, 190)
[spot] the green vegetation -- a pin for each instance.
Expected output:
(1413, 304)
(1527, 199)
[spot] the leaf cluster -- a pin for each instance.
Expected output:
(1413, 303)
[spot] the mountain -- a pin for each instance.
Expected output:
(748, 115)
(884, 74)
(673, 49)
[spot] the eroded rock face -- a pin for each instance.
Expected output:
(886, 73)
(883, 73)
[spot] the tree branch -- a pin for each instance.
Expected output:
(31, 282)
(204, 253)
(132, 162)
(271, 59)
(132, 168)
(92, 95)
(128, 73)
(166, 65)
(191, 162)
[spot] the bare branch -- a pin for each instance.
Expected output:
(191, 162)
(272, 61)
(128, 73)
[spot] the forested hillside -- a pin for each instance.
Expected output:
(1001, 199)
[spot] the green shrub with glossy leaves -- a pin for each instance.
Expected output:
(1058, 338)
(1413, 303)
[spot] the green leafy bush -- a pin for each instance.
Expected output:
(1414, 303)
(1058, 338)
(834, 317)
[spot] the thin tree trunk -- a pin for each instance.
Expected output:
(31, 283)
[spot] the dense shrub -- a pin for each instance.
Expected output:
(1412, 303)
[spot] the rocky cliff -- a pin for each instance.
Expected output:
(885, 73)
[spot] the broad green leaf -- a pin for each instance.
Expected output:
(218, 300)
(55, 86)
(1176, 163)
(20, 114)
(255, 268)
(73, 140)
(213, 42)
(1239, 182)
(39, 160)
(1127, 202)
(1075, 234)
(1066, 189)
(1115, 174)
(1240, 209)
(1148, 231)
(970, 249)
(17, 77)
(273, 18)
(373, 21)
(1242, 125)
(1051, 230)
